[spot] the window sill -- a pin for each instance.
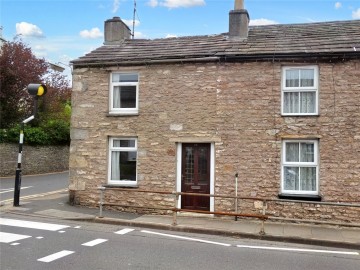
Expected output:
(300, 197)
(300, 115)
(121, 114)
(121, 186)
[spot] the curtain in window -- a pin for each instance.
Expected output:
(303, 176)
(115, 165)
(299, 102)
(291, 178)
(300, 178)
(308, 174)
(292, 78)
(307, 152)
(115, 161)
(307, 78)
(307, 102)
(116, 97)
(292, 152)
(308, 178)
(291, 102)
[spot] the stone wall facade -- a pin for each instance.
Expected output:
(35, 159)
(234, 106)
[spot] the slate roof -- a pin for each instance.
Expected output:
(326, 39)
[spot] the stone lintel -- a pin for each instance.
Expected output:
(195, 139)
(299, 137)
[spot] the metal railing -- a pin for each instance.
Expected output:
(264, 203)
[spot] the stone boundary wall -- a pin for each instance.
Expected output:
(35, 159)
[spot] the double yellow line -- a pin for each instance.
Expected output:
(29, 197)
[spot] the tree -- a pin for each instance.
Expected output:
(20, 67)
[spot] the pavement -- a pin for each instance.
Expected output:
(55, 205)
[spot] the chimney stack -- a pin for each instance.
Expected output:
(239, 21)
(116, 31)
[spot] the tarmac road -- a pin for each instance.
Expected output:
(33, 242)
(32, 185)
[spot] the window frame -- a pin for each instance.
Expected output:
(285, 89)
(121, 149)
(123, 111)
(300, 164)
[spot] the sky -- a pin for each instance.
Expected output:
(63, 30)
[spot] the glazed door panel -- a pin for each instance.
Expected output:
(195, 175)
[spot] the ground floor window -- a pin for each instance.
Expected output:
(300, 167)
(122, 161)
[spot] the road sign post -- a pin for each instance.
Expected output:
(36, 90)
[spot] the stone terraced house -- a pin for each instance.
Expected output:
(277, 104)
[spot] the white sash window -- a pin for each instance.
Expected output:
(124, 93)
(300, 90)
(123, 161)
(300, 167)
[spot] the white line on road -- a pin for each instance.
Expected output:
(11, 237)
(94, 242)
(301, 250)
(35, 196)
(5, 190)
(31, 224)
(124, 231)
(187, 238)
(12, 190)
(56, 256)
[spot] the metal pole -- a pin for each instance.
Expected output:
(102, 189)
(236, 194)
(175, 209)
(18, 169)
(133, 26)
(262, 230)
(17, 187)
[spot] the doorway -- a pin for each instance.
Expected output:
(196, 175)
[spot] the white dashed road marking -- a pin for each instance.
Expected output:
(94, 242)
(31, 224)
(187, 238)
(124, 231)
(11, 237)
(55, 256)
(12, 190)
(300, 250)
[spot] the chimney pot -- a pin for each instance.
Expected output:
(239, 4)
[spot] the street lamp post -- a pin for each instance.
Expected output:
(35, 90)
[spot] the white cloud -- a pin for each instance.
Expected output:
(181, 3)
(139, 35)
(338, 5)
(92, 34)
(40, 48)
(153, 3)
(130, 22)
(262, 22)
(356, 14)
(116, 5)
(28, 30)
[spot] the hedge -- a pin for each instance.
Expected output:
(54, 132)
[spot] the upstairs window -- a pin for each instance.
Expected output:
(300, 90)
(124, 93)
(300, 167)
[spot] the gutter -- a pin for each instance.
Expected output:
(146, 62)
(327, 57)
